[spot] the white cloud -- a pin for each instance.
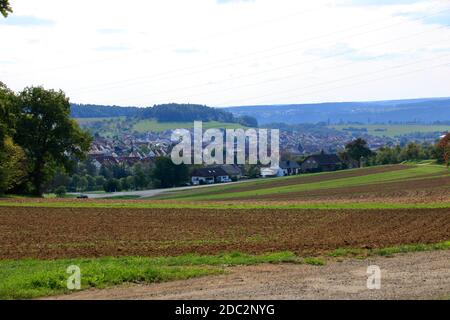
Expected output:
(264, 51)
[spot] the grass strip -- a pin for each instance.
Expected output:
(389, 251)
(26, 279)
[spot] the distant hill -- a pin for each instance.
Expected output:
(100, 111)
(395, 111)
(164, 113)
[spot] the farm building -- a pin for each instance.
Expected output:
(321, 162)
(271, 172)
(233, 171)
(209, 175)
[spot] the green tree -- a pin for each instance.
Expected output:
(5, 8)
(49, 137)
(412, 151)
(12, 165)
(91, 183)
(358, 150)
(12, 157)
(83, 184)
(253, 171)
(112, 185)
(99, 182)
(168, 175)
(60, 191)
(124, 185)
(444, 149)
(140, 178)
(131, 183)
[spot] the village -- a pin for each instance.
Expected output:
(318, 153)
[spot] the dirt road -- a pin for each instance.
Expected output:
(423, 275)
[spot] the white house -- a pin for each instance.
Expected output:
(272, 172)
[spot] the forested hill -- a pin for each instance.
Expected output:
(397, 111)
(164, 113)
(99, 111)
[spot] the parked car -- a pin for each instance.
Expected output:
(83, 196)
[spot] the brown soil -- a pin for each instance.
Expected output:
(90, 232)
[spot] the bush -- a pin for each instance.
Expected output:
(112, 185)
(60, 191)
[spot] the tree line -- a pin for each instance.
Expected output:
(120, 177)
(171, 112)
(358, 150)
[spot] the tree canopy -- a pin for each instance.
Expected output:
(444, 147)
(357, 149)
(37, 137)
(168, 175)
(5, 8)
(48, 136)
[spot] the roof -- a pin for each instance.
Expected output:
(289, 165)
(231, 169)
(325, 159)
(209, 172)
(272, 171)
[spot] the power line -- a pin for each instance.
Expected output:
(214, 35)
(207, 67)
(281, 68)
(343, 86)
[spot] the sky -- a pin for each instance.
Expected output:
(228, 52)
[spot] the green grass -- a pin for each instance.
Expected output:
(127, 197)
(155, 126)
(314, 261)
(395, 130)
(26, 279)
(259, 183)
(400, 175)
(389, 251)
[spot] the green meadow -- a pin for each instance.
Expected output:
(395, 130)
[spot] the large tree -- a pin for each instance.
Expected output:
(167, 174)
(5, 8)
(444, 149)
(8, 112)
(49, 137)
(12, 157)
(358, 150)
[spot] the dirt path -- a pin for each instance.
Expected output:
(410, 276)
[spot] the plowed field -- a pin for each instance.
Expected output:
(91, 232)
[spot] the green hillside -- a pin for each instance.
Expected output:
(394, 130)
(155, 126)
(302, 183)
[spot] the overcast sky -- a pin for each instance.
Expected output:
(228, 52)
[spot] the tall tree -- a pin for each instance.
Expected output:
(444, 149)
(358, 150)
(5, 8)
(49, 137)
(167, 174)
(12, 157)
